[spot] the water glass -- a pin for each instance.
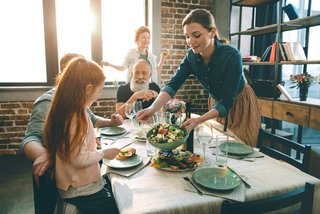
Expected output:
(221, 150)
(204, 136)
(162, 117)
(130, 111)
(151, 150)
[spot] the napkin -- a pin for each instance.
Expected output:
(130, 171)
(237, 194)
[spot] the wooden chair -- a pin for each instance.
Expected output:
(275, 146)
(303, 195)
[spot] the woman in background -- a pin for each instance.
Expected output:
(70, 138)
(142, 39)
(218, 67)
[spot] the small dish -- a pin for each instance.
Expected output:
(112, 131)
(135, 160)
(234, 148)
(216, 178)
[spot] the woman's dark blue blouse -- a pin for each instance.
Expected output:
(222, 77)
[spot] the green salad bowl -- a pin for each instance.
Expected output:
(169, 145)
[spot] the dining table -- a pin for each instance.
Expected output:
(146, 189)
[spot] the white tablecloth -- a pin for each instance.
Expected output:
(153, 190)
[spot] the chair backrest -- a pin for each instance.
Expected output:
(303, 195)
(269, 143)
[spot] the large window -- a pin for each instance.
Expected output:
(313, 46)
(22, 52)
(35, 35)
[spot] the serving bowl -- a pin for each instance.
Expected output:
(168, 146)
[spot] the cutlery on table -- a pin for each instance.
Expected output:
(118, 137)
(186, 178)
(244, 182)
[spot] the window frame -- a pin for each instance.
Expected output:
(51, 43)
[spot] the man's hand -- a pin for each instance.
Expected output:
(145, 95)
(40, 166)
(116, 120)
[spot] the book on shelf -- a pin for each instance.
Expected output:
(294, 51)
(283, 55)
(249, 59)
(273, 52)
(266, 54)
(284, 92)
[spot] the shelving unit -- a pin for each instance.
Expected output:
(270, 106)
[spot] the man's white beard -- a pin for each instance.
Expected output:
(138, 85)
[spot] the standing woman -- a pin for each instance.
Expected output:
(70, 138)
(142, 39)
(218, 67)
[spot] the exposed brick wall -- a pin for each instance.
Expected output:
(14, 116)
(173, 40)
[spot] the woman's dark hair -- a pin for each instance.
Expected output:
(204, 18)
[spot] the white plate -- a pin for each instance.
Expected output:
(135, 160)
(216, 178)
(112, 131)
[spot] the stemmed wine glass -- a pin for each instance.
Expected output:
(204, 135)
(130, 111)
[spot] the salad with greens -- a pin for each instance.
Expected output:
(165, 133)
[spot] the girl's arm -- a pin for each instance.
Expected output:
(117, 67)
(164, 56)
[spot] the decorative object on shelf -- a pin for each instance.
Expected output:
(176, 107)
(302, 82)
(291, 11)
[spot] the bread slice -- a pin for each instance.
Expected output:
(126, 153)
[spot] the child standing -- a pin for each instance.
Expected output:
(70, 138)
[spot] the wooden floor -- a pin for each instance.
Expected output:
(16, 194)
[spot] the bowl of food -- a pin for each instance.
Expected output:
(167, 137)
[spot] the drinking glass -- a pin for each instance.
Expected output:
(204, 136)
(137, 108)
(129, 111)
(221, 150)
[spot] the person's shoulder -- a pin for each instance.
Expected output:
(124, 86)
(228, 49)
(47, 96)
(154, 86)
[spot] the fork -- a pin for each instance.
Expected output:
(186, 178)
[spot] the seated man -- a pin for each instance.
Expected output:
(45, 191)
(140, 88)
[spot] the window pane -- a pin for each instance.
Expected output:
(22, 51)
(118, 32)
(73, 27)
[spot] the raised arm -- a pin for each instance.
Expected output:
(164, 56)
(117, 67)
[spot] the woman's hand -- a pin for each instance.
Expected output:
(105, 63)
(116, 120)
(110, 153)
(164, 55)
(145, 115)
(190, 123)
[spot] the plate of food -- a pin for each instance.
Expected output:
(140, 135)
(126, 158)
(112, 131)
(167, 137)
(177, 161)
(216, 178)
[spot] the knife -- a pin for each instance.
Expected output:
(244, 182)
